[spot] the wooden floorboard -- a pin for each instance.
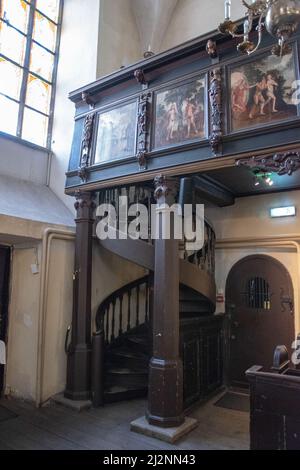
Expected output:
(108, 428)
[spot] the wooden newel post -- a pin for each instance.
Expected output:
(98, 369)
(165, 406)
(79, 356)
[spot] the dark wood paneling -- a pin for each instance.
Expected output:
(201, 349)
(163, 70)
(275, 413)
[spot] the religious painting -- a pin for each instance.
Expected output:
(116, 135)
(180, 114)
(262, 91)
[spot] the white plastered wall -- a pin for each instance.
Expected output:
(77, 67)
(118, 37)
(40, 310)
(192, 18)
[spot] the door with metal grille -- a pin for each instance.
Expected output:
(260, 305)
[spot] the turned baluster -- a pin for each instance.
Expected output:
(107, 325)
(137, 305)
(147, 302)
(128, 310)
(121, 315)
(113, 320)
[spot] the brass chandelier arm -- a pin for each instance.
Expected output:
(260, 28)
(279, 17)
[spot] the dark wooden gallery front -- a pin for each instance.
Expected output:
(180, 127)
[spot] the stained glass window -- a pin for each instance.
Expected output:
(38, 94)
(44, 31)
(9, 119)
(50, 8)
(34, 127)
(16, 13)
(29, 37)
(12, 43)
(10, 79)
(41, 61)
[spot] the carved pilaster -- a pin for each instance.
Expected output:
(143, 129)
(86, 143)
(79, 353)
(165, 407)
(85, 206)
(285, 163)
(216, 109)
(165, 188)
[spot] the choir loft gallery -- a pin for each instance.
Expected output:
(149, 225)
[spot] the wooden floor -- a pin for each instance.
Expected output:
(55, 427)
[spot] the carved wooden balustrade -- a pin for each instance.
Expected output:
(125, 309)
(204, 259)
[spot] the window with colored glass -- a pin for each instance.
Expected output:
(29, 42)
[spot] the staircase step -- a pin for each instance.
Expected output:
(126, 370)
(124, 357)
(141, 342)
(196, 307)
(137, 378)
(118, 393)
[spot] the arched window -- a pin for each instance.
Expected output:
(29, 41)
(258, 294)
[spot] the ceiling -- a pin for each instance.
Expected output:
(152, 20)
(240, 181)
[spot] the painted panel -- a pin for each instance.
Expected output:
(116, 135)
(180, 113)
(262, 91)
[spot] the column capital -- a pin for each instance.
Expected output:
(85, 204)
(165, 189)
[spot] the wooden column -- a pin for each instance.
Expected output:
(165, 407)
(79, 355)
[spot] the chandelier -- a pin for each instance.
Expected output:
(279, 17)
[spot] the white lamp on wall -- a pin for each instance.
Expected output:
(288, 211)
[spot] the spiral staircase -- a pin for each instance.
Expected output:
(123, 319)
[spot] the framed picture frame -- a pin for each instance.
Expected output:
(116, 133)
(261, 91)
(180, 113)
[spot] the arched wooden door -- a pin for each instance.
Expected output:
(260, 304)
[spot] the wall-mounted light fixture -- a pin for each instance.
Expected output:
(288, 211)
(262, 176)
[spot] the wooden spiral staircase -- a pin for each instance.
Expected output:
(122, 344)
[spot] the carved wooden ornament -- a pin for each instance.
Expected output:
(281, 163)
(86, 145)
(143, 129)
(216, 109)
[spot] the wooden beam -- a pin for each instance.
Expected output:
(211, 191)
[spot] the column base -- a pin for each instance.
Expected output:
(165, 401)
(164, 422)
(170, 435)
(77, 396)
(77, 405)
(78, 385)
